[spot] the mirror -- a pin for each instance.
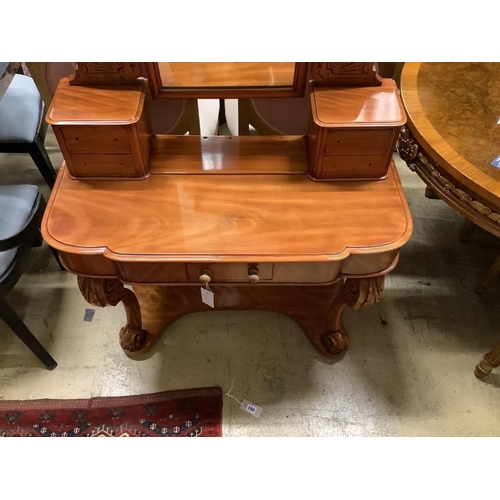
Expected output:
(231, 80)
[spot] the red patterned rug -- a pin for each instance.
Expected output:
(186, 413)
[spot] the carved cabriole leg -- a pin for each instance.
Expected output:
(103, 292)
(490, 361)
(316, 308)
(309, 306)
(357, 293)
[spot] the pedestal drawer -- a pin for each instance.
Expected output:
(98, 165)
(363, 142)
(351, 167)
(98, 139)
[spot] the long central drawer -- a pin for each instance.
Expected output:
(229, 272)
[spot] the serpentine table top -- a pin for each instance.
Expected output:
(227, 202)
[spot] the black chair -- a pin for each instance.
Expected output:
(21, 212)
(22, 124)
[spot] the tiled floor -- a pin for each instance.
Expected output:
(409, 370)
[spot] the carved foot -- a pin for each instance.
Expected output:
(132, 340)
(336, 343)
(356, 294)
(103, 292)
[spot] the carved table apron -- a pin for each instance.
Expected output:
(267, 241)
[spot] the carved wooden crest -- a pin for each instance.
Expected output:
(91, 73)
(345, 74)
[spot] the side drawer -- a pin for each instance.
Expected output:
(358, 142)
(102, 165)
(150, 273)
(96, 139)
(352, 167)
(229, 272)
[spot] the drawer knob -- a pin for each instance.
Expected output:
(205, 276)
(253, 275)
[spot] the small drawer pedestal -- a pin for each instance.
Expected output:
(102, 132)
(353, 131)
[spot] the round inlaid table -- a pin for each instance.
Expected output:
(452, 139)
(453, 136)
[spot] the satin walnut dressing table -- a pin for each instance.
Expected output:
(170, 214)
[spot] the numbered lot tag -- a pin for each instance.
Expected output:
(207, 296)
(248, 407)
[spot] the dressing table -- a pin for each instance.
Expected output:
(300, 225)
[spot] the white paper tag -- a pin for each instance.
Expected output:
(248, 407)
(207, 296)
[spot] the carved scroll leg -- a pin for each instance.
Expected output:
(104, 292)
(490, 361)
(357, 293)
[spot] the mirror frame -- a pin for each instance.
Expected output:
(159, 92)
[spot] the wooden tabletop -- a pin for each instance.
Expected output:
(269, 217)
(227, 74)
(453, 111)
(340, 107)
(75, 105)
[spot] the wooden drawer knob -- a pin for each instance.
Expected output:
(253, 275)
(205, 276)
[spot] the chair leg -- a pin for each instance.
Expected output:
(41, 158)
(38, 242)
(490, 361)
(55, 253)
(21, 330)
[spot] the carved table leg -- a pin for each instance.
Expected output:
(490, 361)
(467, 231)
(492, 273)
(316, 308)
(357, 293)
(103, 292)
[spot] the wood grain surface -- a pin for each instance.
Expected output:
(453, 111)
(77, 105)
(226, 218)
(228, 155)
(340, 107)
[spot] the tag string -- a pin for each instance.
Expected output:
(230, 395)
